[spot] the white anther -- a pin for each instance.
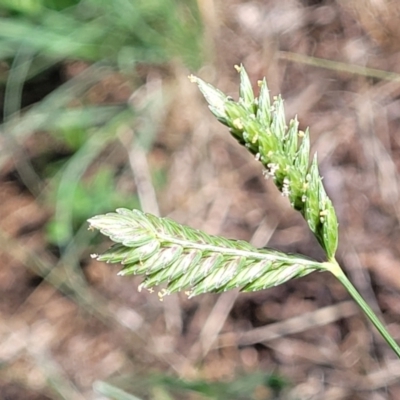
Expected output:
(286, 187)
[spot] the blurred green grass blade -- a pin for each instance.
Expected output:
(76, 167)
(339, 66)
(84, 117)
(39, 114)
(241, 388)
(37, 64)
(15, 82)
(50, 42)
(151, 31)
(7, 48)
(22, 6)
(112, 392)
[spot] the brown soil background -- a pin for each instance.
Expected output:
(75, 328)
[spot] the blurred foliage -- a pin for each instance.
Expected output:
(99, 194)
(110, 39)
(124, 32)
(250, 386)
(254, 385)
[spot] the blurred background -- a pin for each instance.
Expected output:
(97, 113)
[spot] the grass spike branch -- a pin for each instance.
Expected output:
(188, 259)
(259, 125)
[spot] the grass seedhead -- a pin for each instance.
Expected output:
(183, 258)
(187, 259)
(261, 127)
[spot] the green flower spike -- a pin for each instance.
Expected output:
(183, 258)
(260, 126)
(188, 259)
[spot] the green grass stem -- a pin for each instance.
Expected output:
(337, 271)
